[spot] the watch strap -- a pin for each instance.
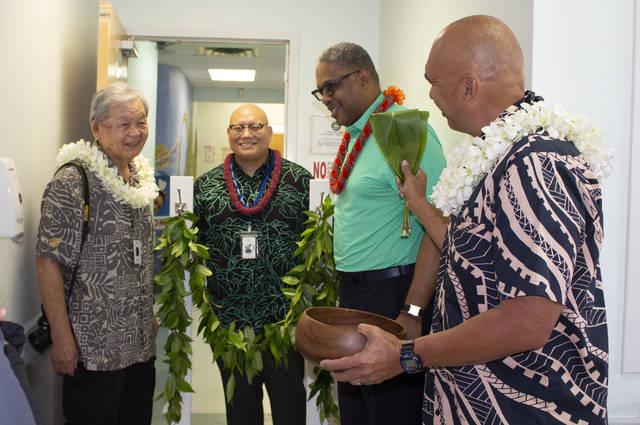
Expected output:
(407, 347)
(409, 360)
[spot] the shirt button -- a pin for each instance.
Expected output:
(437, 412)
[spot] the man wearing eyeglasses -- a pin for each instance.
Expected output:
(251, 214)
(375, 265)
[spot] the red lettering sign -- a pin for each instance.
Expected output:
(319, 170)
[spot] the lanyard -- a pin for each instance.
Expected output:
(264, 182)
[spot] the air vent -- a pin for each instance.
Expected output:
(228, 51)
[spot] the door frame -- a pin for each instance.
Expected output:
(291, 39)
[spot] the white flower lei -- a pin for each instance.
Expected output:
(137, 197)
(468, 163)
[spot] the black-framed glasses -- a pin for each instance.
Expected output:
(329, 88)
(254, 127)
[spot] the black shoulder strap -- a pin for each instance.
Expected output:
(86, 195)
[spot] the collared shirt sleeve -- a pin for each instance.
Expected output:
(60, 229)
(543, 225)
(198, 208)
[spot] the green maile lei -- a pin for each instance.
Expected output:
(313, 282)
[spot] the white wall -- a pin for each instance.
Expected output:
(212, 122)
(318, 25)
(49, 53)
(142, 72)
(631, 344)
(48, 76)
(407, 30)
(223, 94)
(582, 58)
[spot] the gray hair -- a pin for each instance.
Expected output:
(349, 55)
(114, 94)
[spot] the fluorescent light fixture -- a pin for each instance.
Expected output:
(232, 74)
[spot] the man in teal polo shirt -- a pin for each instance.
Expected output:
(376, 266)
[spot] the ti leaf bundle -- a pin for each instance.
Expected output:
(401, 135)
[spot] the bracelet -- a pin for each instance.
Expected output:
(416, 318)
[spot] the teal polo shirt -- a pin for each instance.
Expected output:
(368, 212)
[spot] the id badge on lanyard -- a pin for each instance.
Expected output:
(137, 249)
(249, 244)
(137, 242)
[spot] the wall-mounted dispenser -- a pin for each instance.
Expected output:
(11, 215)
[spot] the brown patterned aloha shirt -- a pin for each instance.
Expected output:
(111, 309)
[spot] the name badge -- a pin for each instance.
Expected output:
(249, 245)
(137, 252)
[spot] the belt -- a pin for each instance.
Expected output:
(362, 278)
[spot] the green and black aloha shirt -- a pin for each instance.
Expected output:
(249, 291)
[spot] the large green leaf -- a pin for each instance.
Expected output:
(401, 135)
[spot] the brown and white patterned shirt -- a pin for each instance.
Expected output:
(532, 227)
(111, 307)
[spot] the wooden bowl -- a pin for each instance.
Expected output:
(330, 332)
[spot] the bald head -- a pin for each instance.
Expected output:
(248, 109)
(484, 45)
(483, 55)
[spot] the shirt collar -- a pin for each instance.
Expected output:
(529, 97)
(359, 125)
(261, 171)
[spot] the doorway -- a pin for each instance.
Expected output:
(203, 126)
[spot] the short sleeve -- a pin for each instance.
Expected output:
(539, 227)
(196, 200)
(306, 177)
(60, 229)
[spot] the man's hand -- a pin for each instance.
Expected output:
(414, 188)
(414, 191)
(65, 355)
(412, 325)
(377, 362)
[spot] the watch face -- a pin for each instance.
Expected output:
(414, 310)
(410, 364)
(410, 361)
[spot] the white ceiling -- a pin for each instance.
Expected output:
(194, 58)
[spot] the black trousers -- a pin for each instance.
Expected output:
(119, 397)
(284, 386)
(397, 401)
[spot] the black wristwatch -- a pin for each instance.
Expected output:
(410, 361)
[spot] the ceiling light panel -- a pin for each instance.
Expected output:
(232, 74)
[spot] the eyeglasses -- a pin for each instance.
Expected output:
(329, 88)
(253, 128)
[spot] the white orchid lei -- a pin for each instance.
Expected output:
(136, 196)
(468, 163)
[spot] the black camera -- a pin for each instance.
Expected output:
(40, 339)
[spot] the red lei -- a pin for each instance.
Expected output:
(275, 179)
(339, 173)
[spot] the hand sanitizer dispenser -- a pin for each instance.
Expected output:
(11, 215)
